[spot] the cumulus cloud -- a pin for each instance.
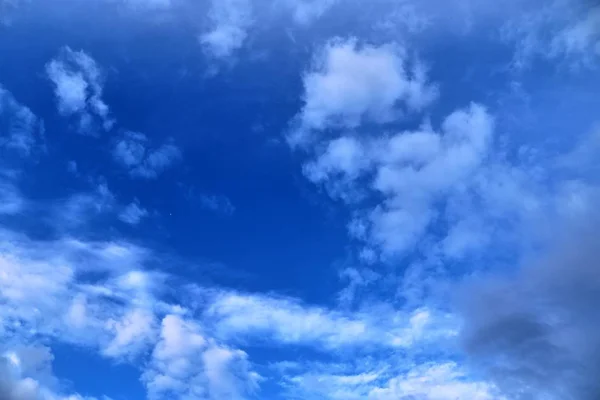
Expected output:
(78, 85)
(411, 171)
(134, 152)
(350, 83)
(187, 364)
(535, 331)
(229, 21)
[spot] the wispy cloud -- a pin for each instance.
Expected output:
(184, 355)
(563, 30)
(78, 84)
(133, 213)
(133, 151)
(216, 203)
(22, 130)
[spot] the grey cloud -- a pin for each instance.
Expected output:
(537, 332)
(17, 370)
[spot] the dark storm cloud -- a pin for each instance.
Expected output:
(537, 332)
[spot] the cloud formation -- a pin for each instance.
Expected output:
(229, 21)
(535, 331)
(134, 152)
(350, 83)
(21, 130)
(78, 85)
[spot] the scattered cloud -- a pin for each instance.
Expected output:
(285, 321)
(80, 208)
(558, 30)
(187, 364)
(78, 85)
(21, 130)
(411, 171)
(350, 83)
(149, 4)
(133, 151)
(216, 203)
(133, 213)
(229, 21)
(305, 12)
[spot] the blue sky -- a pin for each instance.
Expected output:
(294, 199)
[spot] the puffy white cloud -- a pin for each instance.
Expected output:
(133, 151)
(411, 171)
(132, 333)
(187, 364)
(349, 84)
(383, 379)
(230, 21)
(78, 86)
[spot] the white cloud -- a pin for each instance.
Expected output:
(132, 333)
(305, 12)
(556, 30)
(349, 84)
(230, 21)
(133, 151)
(411, 171)
(133, 213)
(187, 364)
(434, 382)
(78, 86)
(284, 321)
(26, 374)
(81, 208)
(21, 129)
